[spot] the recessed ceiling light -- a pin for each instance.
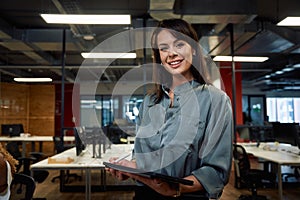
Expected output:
(240, 58)
(279, 72)
(267, 76)
(86, 19)
(296, 66)
(33, 79)
(288, 69)
(88, 101)
(108, 55)
(290, 21)
(88, 37)
(292, 88)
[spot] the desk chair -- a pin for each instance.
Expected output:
(60, 147)
(295, 174)
(244, 133)
(24, 165)
(26, 180)
(247, 177)
(25, 162)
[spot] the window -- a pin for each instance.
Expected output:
(284, 110)
(103, 110)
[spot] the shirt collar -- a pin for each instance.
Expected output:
(181, 88)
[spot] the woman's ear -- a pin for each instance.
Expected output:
(194, 52)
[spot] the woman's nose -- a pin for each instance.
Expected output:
(172, 52)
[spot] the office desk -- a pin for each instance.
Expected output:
(280, 157)
(33, 139)
(85, 162)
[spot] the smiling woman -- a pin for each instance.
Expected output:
(184, 125)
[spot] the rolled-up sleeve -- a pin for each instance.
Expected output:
(216, 151)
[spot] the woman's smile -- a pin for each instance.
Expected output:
(175, 63)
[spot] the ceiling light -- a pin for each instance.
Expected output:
(86, 19)
(108, 55)
(267, 76)
(290, 21)
(296, 66)
(88, 101)
(88, 37)
(240, 58)
(288, 69)
(33, 79)
(292, 88)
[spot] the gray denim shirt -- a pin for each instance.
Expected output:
(192, 137)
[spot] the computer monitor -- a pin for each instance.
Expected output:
(298, 136)
(78, 143)
(286, 133)
(12, 130)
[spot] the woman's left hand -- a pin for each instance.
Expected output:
(160, 186)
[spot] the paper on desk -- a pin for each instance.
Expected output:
(62, 160)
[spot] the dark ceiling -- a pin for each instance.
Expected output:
(31, 48)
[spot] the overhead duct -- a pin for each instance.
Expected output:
(13, 39)
(4, 35)
(17, 45)
(80, 31)
(162, 9)
(215, 12)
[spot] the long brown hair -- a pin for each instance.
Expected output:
(183, 31)
(12, 162)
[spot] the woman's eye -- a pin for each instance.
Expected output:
(163, 49)
(180, 45)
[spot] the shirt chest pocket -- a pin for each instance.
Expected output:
(181, 130)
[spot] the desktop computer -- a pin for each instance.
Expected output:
(80, 147)
(12, 130)
(286, 133)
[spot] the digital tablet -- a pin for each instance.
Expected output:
(140, 172)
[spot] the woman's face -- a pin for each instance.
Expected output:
(176, 55)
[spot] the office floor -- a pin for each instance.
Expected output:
(50, 190)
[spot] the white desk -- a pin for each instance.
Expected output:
(85, 162)
(280, 157)
(33, 139)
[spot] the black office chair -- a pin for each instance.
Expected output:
(13, 149)
(27, 181)
(60, 147)
(245, 177)
(24, 163)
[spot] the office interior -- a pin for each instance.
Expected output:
(102, 96)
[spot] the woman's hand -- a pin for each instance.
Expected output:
(119, 174)
(160, 186)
